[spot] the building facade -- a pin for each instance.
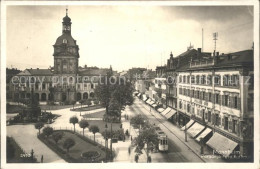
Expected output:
(66, 81)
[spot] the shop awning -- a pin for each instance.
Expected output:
(195, 129)
(221, 144)
(188, 124)
(154, 105)
(144, 97)
(167, 110)
(170, 114)
(148, 100)
(151, 103)
(160, 110)
(139, 94)
(204, 134)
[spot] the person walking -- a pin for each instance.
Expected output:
(136, 158)
(42, 159)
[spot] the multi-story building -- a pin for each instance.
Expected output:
(66, 81)
(217, 92)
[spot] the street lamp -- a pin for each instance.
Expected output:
(106, 141)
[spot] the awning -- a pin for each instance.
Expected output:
(167, 110)
(144, 97)
(139, 94)
(160, 110)
(204, 134)
(221, 144)
(148, 100)
(151, 103)
(195, 129)
(170, 114)
(154, 105)
(188, 124)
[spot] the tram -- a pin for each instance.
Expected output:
(163, 140)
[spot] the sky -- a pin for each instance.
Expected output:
(124, 36)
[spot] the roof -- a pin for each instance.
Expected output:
(241, 57)
(68, 37)
(39, 72)
(94, 72)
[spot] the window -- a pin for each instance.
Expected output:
(234, 129)
(203, 95)
(197, 79)
(180, 105)
(180, 79)
(251, 82)
(209, 96)
(184, 79)
(235, 102)
(217, 98)
(188, 108)
(192, 93)
(36, 86)
(226, 123)
(217, 119)
(64, 41)
(192, 79)
(188, 79)
(234, 80)
(203, 79)
(43, 86)
(217, 80)
(198, 94)
(92, 85)
(225, 80)
(209, 80)
(188, 92)
(209, 116)
(226, 100)
(180, 90)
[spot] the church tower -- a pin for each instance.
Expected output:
(66, 56)
(66, 50)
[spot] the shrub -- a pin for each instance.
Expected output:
(47, 131)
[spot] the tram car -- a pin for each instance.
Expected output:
(163, 140)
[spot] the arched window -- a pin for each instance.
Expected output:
(64, 41)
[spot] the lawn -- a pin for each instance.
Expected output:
(75, 152)
(98, 114)
(88, 108)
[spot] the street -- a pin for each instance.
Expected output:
(178, 151)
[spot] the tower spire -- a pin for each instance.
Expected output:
(66, 10)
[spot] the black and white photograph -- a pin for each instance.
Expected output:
(128, 82)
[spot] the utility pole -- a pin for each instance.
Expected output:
(202, 41)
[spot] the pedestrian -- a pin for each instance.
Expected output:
(131, 138)
(149, 159)
(129, 150)
(42, 159)
(136, 158)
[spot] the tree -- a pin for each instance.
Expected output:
(88, 102)
(81, 102)
(96, 102)
(47, 131)
(94, 129)
(38, 126)
(138, 121)
(74, 120)
(68, 143)
(56, 136)
(73, 103)
(146, 137)
(83, 124)
(114, 94)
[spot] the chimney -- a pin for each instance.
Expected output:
(199, 50)
(217, 53)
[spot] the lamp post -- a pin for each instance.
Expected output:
(185, 131)
(111, 151)
(106, 141)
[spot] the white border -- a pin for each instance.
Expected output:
(254, 165)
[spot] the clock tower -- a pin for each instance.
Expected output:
(66, 51)
(66, 57)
